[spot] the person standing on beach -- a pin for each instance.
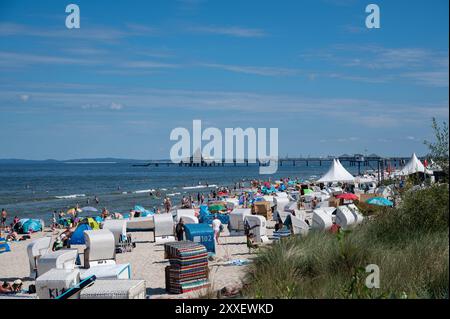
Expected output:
(179, 230)
(167, 204)
(54, 221)
(217, 227)
(4, 216)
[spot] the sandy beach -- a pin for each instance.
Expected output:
(147, 263)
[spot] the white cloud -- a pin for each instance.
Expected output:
(13, 59)
(147, 65)
(86, 32)
(420, 65)
(234, 31)
(434, 79)
(370, 113)
(116, 106)
(111, 106)
(24, 97)
(256, 70)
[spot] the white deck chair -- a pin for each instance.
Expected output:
(119, 229)
(141, 223)
(35, 250)
(61, 259)
(344, 217)
(188, 219)
(100, 248)
(164, 228)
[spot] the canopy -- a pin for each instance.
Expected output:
(379, 201)
(89, 209)
(77, 237)
(336, 173)
(31, 225)
(93, 223)
(414, 166)
(347, 196)
(144, 212)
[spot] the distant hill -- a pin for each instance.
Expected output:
(77, 160)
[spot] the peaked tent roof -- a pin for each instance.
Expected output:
(336, 173)
(414, 166)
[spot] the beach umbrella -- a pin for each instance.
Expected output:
(379, 201)
(347, 196)
(89, 209)
(72, 211)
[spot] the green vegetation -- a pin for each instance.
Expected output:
(439, 149)
(409, 244)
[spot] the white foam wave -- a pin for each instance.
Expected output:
(70, 196)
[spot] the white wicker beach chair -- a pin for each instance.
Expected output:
(344, 217)
(299, 226)
(163, 231)
(236, 223)
(280, 203)
(100, 248)
(259, 231)
(35, 250)
(188, 219)
(119, 229)
(356, 213)
(141, 224)
(102, 272)
(185, 212)
(321, 220)
(61, 259)
(115, 289)
(54, 282)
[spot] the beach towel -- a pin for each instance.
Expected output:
(4, 246)
(238, 262)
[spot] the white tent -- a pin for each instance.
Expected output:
(414, 166)
(336, 173)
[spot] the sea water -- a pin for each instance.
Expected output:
(36, 190)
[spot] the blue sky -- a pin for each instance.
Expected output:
(135, 70)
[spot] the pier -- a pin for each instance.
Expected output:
(369, 162)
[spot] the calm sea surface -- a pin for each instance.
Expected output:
(36, 190)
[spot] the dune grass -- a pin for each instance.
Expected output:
(410, 245)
